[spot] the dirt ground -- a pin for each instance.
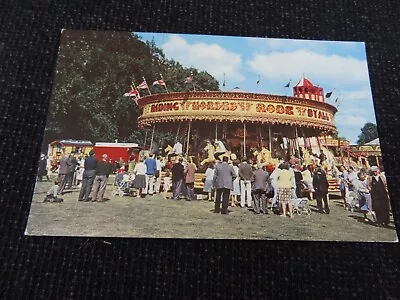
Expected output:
(155, 217)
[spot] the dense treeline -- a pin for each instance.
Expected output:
(94, 70)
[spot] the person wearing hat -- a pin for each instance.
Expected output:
(380, 197)
(103, 170)
(90, 166)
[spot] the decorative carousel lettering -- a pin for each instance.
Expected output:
(164, 107)
(218, 105)
(279, 109)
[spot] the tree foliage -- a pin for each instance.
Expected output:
(368, 133)
(94, 70)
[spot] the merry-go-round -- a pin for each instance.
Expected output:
(265, 127)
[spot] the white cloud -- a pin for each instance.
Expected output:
(347, 120)
(288, 45)
(337, 70)
(361, 94)
(208, 57)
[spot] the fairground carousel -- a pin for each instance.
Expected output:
(264, 127)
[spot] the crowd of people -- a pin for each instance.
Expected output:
(229, 182)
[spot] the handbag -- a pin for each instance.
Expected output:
(157, 173)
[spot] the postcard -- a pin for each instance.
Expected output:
(212, 137)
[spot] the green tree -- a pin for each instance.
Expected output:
(94, 70)
(368, 133)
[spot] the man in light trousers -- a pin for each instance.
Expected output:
(245, 174)
(151, 168)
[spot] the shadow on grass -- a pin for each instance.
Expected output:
(370, 222)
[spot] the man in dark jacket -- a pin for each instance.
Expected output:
(261, 187)
(90, 165)
(103, 170)
(320, 184)
(178, 174)
(224, 176)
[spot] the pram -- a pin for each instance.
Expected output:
(123, 184)
(300, 206)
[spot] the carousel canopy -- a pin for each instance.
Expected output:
(236, 107)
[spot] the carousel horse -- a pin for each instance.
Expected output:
(263, 156)
(168, 150)
(330, 162)
(210, 152)
(306, 157)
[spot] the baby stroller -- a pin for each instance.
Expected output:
(123, 184)
(351, 200)
(300, 206)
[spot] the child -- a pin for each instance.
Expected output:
(51, 195)
(167, 184)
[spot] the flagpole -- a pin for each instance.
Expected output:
(147, 85)
(194, 87)
(165, 85)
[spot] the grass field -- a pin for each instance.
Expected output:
(156, 217)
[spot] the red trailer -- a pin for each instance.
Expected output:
(117, 151)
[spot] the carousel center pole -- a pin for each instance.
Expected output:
(188, 139)
(244, 140)
(216, 130)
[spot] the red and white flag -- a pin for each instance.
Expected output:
(143, 85)
(189, 79)
(159, 82)
(132, 93)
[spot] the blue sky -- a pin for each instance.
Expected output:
(340, 67)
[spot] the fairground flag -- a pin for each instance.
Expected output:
(143, 85)
(189, 79)
(288, 84)
(159, 82)
(336, 100)
(132, 93)
(328, 94)
(258, 81)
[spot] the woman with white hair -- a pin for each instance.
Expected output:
(140, 177)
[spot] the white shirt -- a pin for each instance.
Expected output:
(140, 168)
(177, 149)
(210, 174)
(158, 165)
(220, 147)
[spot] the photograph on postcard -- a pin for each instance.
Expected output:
(200, 136)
